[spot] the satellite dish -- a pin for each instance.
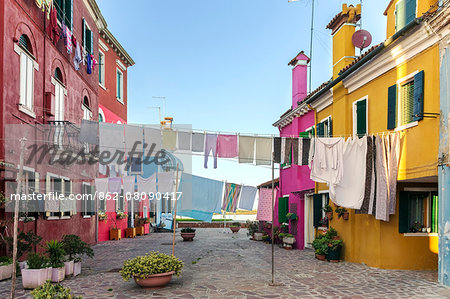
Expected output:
(362, 39)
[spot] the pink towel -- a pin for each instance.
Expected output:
(264, 212)
(227, 146)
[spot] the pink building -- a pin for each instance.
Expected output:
(295, 182)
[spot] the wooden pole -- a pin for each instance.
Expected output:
(174, 226)
(273, 218)
(16, 216)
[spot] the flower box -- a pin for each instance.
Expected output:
(115, 234)
(5, 272)
(140, 231)
(33, 278)
(130, 232)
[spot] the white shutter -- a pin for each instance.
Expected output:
(23, 78)
(30, 70)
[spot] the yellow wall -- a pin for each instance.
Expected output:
(367, 240)
(422, 7)
(343, 48)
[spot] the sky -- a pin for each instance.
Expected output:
(222, 64)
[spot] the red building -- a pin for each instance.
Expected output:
(42, 86)
(113, 69)
(113, 72)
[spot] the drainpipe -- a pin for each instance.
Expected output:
(365, 59)
(316, 185)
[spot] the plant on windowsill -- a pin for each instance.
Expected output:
(328, 211)
(102, 216)
(342, 212)
(121, 215)
(416, 227)
(56, 253)
(154, 269)
(292, 216)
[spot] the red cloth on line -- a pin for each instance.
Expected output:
(52, 28)
(227, 146)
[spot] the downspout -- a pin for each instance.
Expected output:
(316, 185)
(365, 59)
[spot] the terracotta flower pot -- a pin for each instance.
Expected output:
(188, 236)
(34, 278)
(115, 234)
(321, 257)
(329, 215)
(5, 272)
(336, 238)
(154, 280)
(58, 274)
(345, 216)
(68, 268)
(235, 229)
(76, 268)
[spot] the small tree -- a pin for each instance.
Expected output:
(25, 242)
(75, 247)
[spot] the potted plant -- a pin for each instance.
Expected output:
(292, 216)
(328, 211)
(266, 238)
(332, 234)
(188, 234)
(74, 248)
(416, 227)
(235, 227)
(115, 233)
(49, 290)
(121, 215)
(323, 222)
(334, 250)
(5, 267)
(102, 216)
(25, 243)
(154, 269)
(56, 254)
(288, 240)
(252, 228)
(342, 212)
(320, 245)
(37, 272)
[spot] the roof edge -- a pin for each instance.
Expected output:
(111, 39)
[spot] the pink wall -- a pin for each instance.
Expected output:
(299, 80)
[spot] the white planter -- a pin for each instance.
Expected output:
(289, 240)
(258, 236)
(49, 273)
(58, 274)
(68, 268)
(76, 268)
(6, 272)
(33, 278)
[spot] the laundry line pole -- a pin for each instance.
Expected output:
(273, 217)
(174, 225)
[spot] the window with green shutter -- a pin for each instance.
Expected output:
(406, 103)
(418, 210)
(392, 107)
(64, 11)
(321, 129)
(419, 81)
(360, 117)
(283, 209)
(88, 38)
(405, 12)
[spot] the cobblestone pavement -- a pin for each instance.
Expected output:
(223, 265)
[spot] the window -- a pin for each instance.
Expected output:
(29, 181)
(100, 118)
(88, 38)
(405, 12)
(26, 74)
(86, 109)
(101, 68)
(406, 101)
(319, 202)
(136, 165)
(119, 91)
(120, 203)
(59, 100)
(88, 204)
(418, 211)
(360, 117)
(56, 188)
(64, 9)
(324, 128)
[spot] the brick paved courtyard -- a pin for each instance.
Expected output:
(219, 265)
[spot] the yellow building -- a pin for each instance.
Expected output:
(394, 86)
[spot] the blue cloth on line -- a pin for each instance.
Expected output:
(201, 197)
(248, 194)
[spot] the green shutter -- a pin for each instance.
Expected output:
(320, 130)
(403, 212)
(283, 208)
(434, 214)
(303, 135)
(330, 127)
(418, 95)
(392, 107)
(317, 209)
(68, 13)
(410, 13)
(84, 33)
(100, 62)
(361, 117)
(92, 42)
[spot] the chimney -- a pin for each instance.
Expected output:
(299, 77)
(343, 26)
